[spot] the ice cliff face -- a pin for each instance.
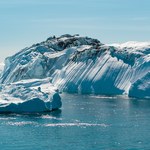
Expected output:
(84, 65)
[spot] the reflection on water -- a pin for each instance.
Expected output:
(84, 123)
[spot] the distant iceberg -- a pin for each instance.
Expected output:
(76, 64)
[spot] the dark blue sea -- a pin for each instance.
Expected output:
(83, 123)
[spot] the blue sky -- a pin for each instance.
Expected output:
(25, 22)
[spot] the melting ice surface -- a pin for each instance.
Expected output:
(84, 123)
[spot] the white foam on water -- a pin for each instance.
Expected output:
(75, 124)
(8, 118)
(50, 117)
(103, 97)
(22, 123)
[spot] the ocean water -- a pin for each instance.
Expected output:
(83, 123)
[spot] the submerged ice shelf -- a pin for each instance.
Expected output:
(75, 64)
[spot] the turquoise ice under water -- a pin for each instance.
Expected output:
(84, 123)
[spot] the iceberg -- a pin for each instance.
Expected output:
(32, 78)
(30, 96)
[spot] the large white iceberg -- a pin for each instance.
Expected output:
(73, 64)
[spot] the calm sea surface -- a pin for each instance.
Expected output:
(83, 123)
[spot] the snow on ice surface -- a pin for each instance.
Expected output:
(133, 44)
(77, 64)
